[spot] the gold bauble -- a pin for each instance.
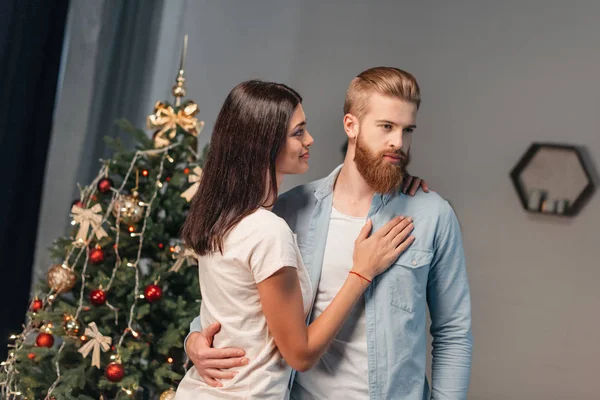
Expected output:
(71, 326)
(168, 395)
(60, 278)
(129, 208)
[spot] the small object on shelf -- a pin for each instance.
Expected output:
(562, 205)
(549, 206)
(536, 197)
(553, 179)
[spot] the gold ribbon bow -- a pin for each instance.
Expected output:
(187, 255)
(86, 217)
(165, 120)
(193, 177)
(97, 341)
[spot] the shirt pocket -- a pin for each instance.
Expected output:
(407, 279)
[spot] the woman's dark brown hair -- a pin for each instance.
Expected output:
(248, 135)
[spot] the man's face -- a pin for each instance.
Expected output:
(383, 139)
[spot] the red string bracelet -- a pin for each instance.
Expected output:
(360, 276)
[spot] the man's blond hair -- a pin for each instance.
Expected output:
(388, 81)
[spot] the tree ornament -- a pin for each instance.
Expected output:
(96, 342)
(105, 184)
(193, 178)
(44, 340)
(152, 293)
(168, 394)
(96, 255)
(98, 297)
(129, 208)
(114, 372)
(37, 305)
(60, 278)
(78, 203)
(70, 325)
(165, 120)
(88, 218)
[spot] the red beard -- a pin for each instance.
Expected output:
(381, 176)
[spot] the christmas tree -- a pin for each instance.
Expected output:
(110, 318)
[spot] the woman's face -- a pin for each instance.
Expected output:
(293, 158)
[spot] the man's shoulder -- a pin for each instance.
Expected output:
(301, 190)
(432, 204)
(296, 201)
(299, 194)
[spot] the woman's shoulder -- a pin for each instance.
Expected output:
(264, 221)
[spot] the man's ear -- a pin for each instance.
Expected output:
(351, 126)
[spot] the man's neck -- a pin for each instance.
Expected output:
(351, 193)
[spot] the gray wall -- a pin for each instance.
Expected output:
(495, 76)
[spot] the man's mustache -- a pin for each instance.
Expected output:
(396, 154)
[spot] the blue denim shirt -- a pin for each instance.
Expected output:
(430, 273)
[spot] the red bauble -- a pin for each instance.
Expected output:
(98, 297)
(44, 340)
(77, 203)
(37, 305)
(96, 256)
(153, 293)
(31, 356)
(105, 184)
(114, 372)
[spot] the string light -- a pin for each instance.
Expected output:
(80, 247)
(108, 211)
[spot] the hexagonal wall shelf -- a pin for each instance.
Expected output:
(553, 179)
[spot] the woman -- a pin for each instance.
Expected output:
(248, 258)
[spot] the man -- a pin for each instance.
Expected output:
(380, 353)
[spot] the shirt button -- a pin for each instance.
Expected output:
(414, 262)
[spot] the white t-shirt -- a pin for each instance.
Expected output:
(257, 247)
(343, 371)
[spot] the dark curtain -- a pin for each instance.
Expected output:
(31, 41)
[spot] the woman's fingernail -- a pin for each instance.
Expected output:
(244, 361)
